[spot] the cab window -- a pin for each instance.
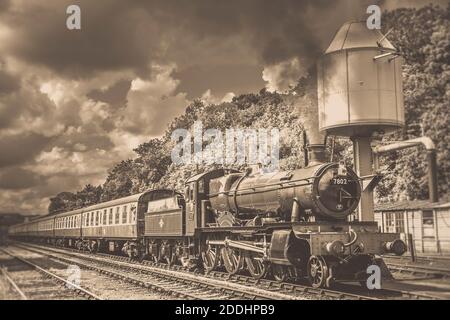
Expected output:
(201, 186)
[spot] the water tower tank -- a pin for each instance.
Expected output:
(357, 93)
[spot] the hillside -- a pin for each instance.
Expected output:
(423, 37)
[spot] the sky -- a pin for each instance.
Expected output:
(75, 102)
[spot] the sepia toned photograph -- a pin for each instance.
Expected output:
(244, 152)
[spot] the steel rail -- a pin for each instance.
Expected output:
(54, 276)
(415, 269)
(13, 284)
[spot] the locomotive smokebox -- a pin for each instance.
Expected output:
(360, 83)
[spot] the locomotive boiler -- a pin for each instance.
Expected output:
(326, 191)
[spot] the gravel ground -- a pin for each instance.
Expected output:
(105, 287)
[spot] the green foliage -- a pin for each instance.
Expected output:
(423, 38)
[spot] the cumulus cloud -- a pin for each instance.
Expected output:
(114, 95)
(152, 103)
(209, 98)
(281, 76)
(18, 178)
(20, 148)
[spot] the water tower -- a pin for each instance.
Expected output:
(360, 92)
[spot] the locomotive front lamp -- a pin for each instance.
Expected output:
(398, 247)
(335, 248)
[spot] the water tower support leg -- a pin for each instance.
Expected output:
(362, 157)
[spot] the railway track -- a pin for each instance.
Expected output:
(244, 287)
(418, 270)
(423, 259)
(289, 290)
(164, 281)
(31, 281)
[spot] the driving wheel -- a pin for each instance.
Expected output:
(255, 265)
(210, 257)
(232, 259)
(279, 272)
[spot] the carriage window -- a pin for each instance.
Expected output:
(117, 219)
(133, 214)
(110, 216)
(97, 218)
(124, 214)
(428, 224)
(92, 218)
(105, 221)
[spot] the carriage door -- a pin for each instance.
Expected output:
(191, 207)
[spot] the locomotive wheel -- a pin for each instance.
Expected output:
(255, 266)
(164, 256)
(210, 257)
(93, 247)
(232, 260)
(317, 271)
(175, 254)
(279, 272)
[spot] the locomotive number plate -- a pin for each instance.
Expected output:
(339, 181)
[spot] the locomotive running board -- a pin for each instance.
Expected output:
(238, 245)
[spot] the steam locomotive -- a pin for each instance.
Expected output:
(289, 225)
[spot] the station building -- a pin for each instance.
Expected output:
(428, 223)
